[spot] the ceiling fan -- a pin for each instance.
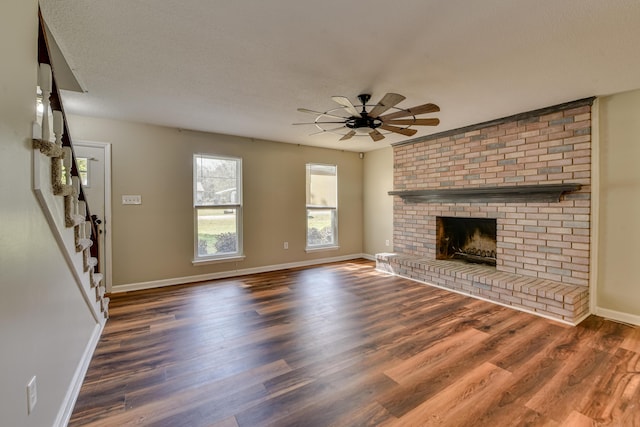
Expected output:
(363, 123)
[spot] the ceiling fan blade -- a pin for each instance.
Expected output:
(319, 113)
(344, 101)
(408, 122)
(348, 135)
(327, 130)
(375, 135)
(403, 131)
(420, 109)
(317, 123)
(387, 101)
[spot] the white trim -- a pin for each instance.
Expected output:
(488, 300)
(219, 260)
(230, 273)
(108, 265)
(334, 210)
(595, 205)
(618, 316)
(107, 211)
(66, 409)
(239, 207)
(322, 248)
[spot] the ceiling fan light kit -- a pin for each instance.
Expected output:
(367, 123)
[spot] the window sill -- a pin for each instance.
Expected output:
(206, 261)
(322, 248)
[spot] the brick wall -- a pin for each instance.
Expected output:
(552, 145)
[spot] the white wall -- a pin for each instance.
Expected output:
(44, 322)
(618, 282)
(378, 205)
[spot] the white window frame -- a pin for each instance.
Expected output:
(311, 208)
(226, 257)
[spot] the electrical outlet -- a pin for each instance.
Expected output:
(32, 395)
(286, 245)
(386, 242)
(131, 199)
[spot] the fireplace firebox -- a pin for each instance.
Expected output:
(468, 239)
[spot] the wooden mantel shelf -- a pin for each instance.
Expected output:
(500, 194)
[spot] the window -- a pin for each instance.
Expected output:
(82, 166)
(322, 206)
(82, 163)
(217, 196)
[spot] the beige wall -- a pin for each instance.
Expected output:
(45, 324)
(154, 241)
(618, 285)
(378, 205)
(270, 166)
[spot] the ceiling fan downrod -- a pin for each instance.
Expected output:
(364, 98)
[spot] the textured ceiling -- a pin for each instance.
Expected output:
(243, 67)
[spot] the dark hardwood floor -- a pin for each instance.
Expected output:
(344, 345)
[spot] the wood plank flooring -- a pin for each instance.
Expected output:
(344, 345)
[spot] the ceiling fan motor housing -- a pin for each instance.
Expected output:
(363, 122)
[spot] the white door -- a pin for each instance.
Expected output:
(96, 182)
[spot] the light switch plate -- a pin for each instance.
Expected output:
(131, 199)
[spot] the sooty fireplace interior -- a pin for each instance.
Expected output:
(469, 239)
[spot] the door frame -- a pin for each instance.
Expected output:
(107, 207)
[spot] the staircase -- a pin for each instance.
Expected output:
(57, 186)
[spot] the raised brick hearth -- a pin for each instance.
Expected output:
(545, 241)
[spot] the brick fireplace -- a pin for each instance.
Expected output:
(504, 170)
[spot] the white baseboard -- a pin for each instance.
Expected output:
(618, 316)
(369, 257)
(231, 273)
(66, 409)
